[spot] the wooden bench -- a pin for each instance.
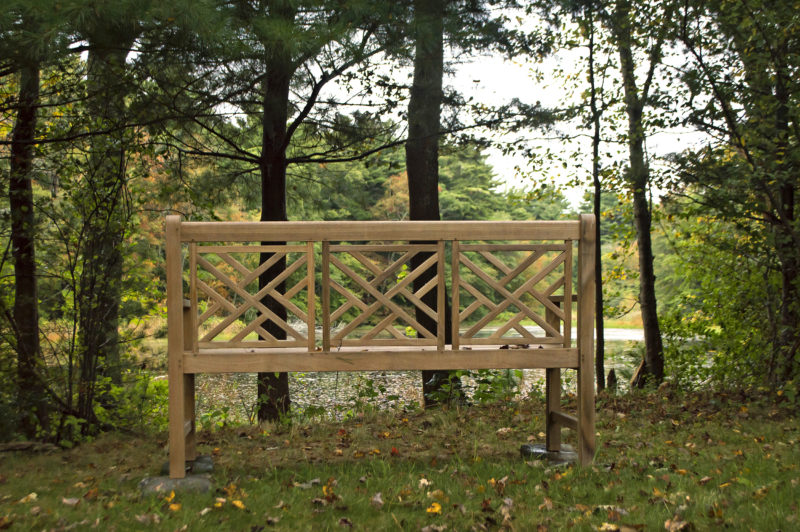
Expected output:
(510, 285)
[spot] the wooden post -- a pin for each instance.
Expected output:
(312, 305)
(177, 392)
(586, 287)
(326, 296)
(552, 396)
(455, 293)
(189, 338)
(441, 315)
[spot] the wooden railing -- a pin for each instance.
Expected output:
(359, 296)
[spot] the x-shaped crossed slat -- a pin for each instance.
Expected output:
(250, 300)
(384, 299)
(512, 298)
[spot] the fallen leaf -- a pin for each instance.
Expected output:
(307, 485)
(437, 495)
(239, 504)
(486, 506)
(394, 451)
(36, 510)
(72, 501)
(547, 504)
(174, 507)
(5, 522)
(703, 481)
(434, 508)
(676, 525)
(502, 432)
(204, 511)
(424, 483)
(344, 521)
(271, 521)
(29, 498)
(377, 500)
(280, 505)
(434, 528)
(608, 527)
(338, 452)
(147, 519)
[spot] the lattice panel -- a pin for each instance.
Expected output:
(230, 306)
(512, 294)
(371, 293)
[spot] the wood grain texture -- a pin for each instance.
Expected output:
(372, 231)
(394, 358)
(586, 280)
(175, 347)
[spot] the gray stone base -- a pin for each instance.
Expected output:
(200, 465)
(538, 451)
(161, 485)
(197, 478)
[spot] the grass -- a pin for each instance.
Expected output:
(664, 460)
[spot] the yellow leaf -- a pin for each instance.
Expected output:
(239, 504)
(434, 508)
(175, 506)
(169, 497)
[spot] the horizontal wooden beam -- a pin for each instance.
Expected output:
(368, 231)
(564, 420)
(359, 359)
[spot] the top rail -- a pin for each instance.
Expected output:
(368, 231)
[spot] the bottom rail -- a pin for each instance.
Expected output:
(244, 360)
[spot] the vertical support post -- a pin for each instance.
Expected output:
(552, 395)
(586, 289)
(326, 296)
(189, 426)
(312, 304)
(441, 314)
(455, 288)
(177, 398)
(567, 330)
(190, 336)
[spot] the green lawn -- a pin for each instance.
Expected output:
(701, 461)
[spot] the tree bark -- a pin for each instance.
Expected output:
(422, 164)
(106, 216)
(33, 406)
(638, 179)
(599, 360)
(273, 388)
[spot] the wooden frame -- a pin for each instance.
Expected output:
(379, 299)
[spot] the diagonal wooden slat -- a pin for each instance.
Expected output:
(286, 302)
(223, 303)
(249, 277)
(494, 260)
(250, 300)
(521, 267)
(350, 303)
(510, 298)
(383, 299)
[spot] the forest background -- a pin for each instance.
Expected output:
(117, 113)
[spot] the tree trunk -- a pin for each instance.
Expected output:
(638, 179)
(599, 360)
(273, 388)
(422, 164)
(106, 216)
(33, 406)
